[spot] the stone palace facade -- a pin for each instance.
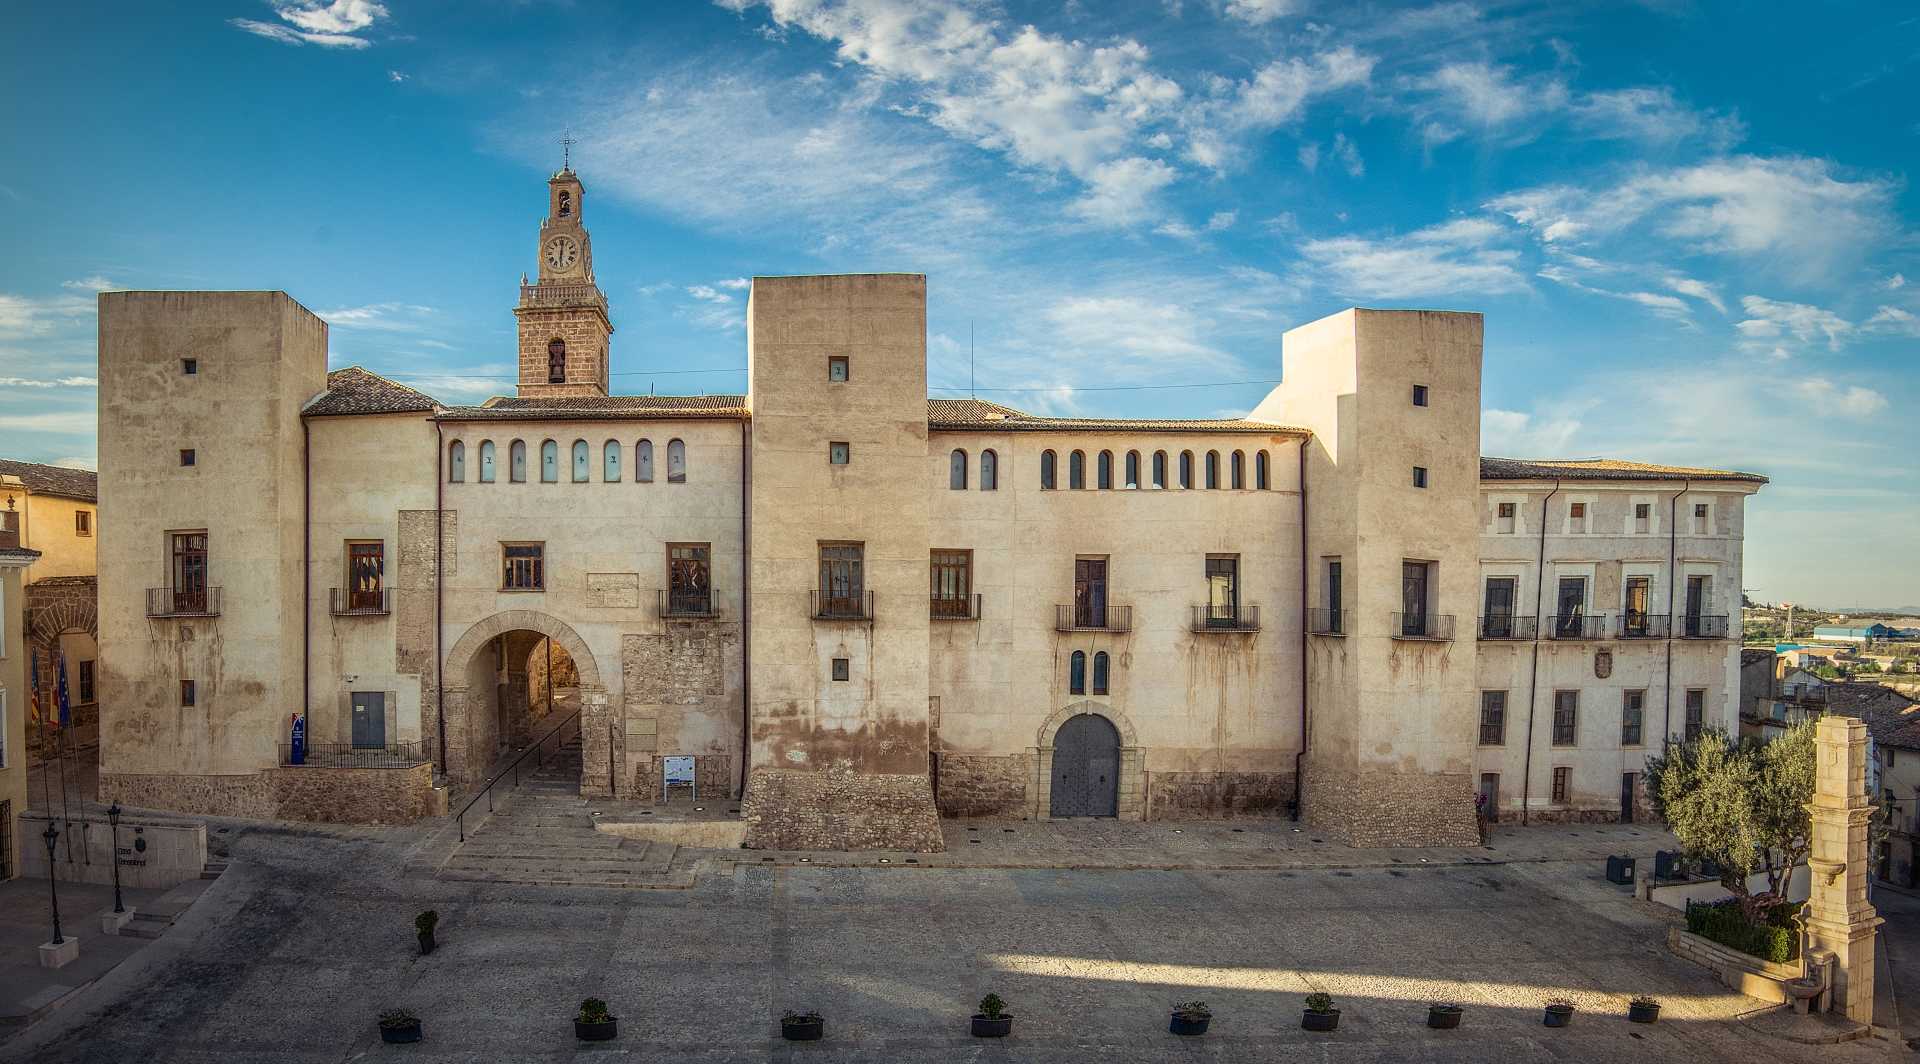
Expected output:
(858, 608)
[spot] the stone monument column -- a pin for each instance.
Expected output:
(1840, 920)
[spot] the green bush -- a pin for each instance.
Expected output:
(1775, 941)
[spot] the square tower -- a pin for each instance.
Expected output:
(564, 328)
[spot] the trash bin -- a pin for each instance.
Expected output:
(1620, 870)
(1663, 863)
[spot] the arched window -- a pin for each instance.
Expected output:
(1077, 673)
(582, 461)
(643, 462)
(1260, 470)
(610, 462)
(1133, 469)
(556, 361)
(1159, 469)
(1186, 469)
(456, 462)
(1103, 471)
(486, 461)
(517, 462)
(676, 462)
(1077, 470)
(989, 471)
(1239, 470)
(1213, 469)
(549, 462)
(1046, 470)
(957, 471)
(1100, 673)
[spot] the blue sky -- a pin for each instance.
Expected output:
(1690, 225)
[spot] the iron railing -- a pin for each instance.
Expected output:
(1422, 626)
(1327, 622)
(346, 602)
(349, 755)
(1236, 618)
(548, 295)
(1577, 626)
(1508, 626)
(565, 731)
(684, 602)
(954, 607)
(1642, 626)
(843, 605)
(168, 602)
(1080, 617)
(1700, 626)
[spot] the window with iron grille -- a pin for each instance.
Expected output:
(1561, 778)
(689, 578)
(1493, 718)
(1633, 712)
(1566, 717)
(86, 682)
(523, 566)
(1696, 712)
(842, 579)
(1223, 589)
(366, 569)
(951, 576)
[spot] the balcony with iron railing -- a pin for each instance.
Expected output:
(953, 607)
(349, 755)
(684, 603)
(1507, 626)
(1642, 626)
(347, 602)
(1433, 626)
(1327, 622)
(1226, 619)
(841, 605)
(169, 602)
(1080, 617)
(1577, 626)
(560, 295)
(1700, 626)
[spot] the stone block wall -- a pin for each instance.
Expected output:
(249, 795)
(978, 786)
(1391, 808)
(840, 809)
(713, 776)
(308, 793)
(1212, 795)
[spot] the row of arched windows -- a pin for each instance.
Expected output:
(1077, 673)
(582, 462)
(989, 471)
(1103, 471)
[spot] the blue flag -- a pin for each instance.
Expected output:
(60, 686)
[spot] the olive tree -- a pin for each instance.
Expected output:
(1741, 803)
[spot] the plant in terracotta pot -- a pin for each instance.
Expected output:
(1190, 1018)
(993, 1020)
(1643, 1009)
(1443, 1016)
(1320, 1015)
(1559, 1013)
(399, 1026)
(595, 1024)
(808, 1026)
(424, 925)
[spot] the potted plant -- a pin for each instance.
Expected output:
(1559, 1013)
(399, 1026)
(1643, 1009)
(805, 1026)
(1442, 1016)
(1320, 1015)
(1190, 1018)
(993, 1020)
(424, 924)
(594, 1024)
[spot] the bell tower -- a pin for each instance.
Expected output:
(564, 327)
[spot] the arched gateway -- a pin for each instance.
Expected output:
(486, 680)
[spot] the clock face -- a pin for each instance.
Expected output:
(562, 252)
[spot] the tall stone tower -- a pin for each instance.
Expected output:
(563, 317)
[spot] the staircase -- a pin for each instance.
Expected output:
(542, 833)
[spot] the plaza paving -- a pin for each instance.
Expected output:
(291, 954)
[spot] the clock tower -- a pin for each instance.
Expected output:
(563, 317)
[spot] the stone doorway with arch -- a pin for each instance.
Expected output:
(1076, 742)
(63, 628)
(509, 680)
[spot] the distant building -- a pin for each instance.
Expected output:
(1873, 633)
(57, 516)
(1893, 770)
(14, 559)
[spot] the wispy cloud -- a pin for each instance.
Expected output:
(1848, 401)
(1769, 321)
(54, 382)
(337, 24)
(381, 317)
(28, 316)
(95, 283)
(1456, 259)
(1502, 104)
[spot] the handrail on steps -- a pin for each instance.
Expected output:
(487, 792)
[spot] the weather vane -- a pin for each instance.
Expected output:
(566, 150)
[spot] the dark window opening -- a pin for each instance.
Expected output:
(186, 456)
(1047, 461)
(556, 361)
(1633, 712)
(842, 669)
(837, 369)
(1561, 777)
(689, 578)
(1077, 673)
(1696, 713)
(190, 366)
(839, 453)
(189, 572)
(86, 682)
(1566, 717)
(951, 580)
(366, 567)
(1419, 395)
(1100, 673)
(186, 692)
(1493, 718)
(524, 567)
(842, 579)
(1419, 476)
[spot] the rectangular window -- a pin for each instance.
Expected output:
(1503, 518)
(523, 566)
(1090, 592)
(1577, 517)
(951, 583)
(1419, 476)
(1570, 611)
(1414, 580)
(1633, 712)
(1489, 797)
(842, 669)
(1700, 518)
(1566, 717)
(190, 366)
(1696, 712)
(1333, 599)
(86, 683)
(188, 572)
(1561, 778)
(186, 692)
(1223, 589)
(1419, 395)
(839, 453)
(366, 574)
(1496, 614)
(1635, 620)
(1493, 718)
(689, 578)
(83, 522)
(1642, 517)
(186, 456)
(843, 579)
(837, 368)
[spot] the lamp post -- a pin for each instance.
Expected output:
(52, 835)
(113, 818)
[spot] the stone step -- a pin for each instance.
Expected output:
(146, 925)
(512, 868)
(511, 847)
(212, 869)
(678, 880)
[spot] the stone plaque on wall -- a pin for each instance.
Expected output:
(613, 590)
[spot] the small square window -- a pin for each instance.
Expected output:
(83, 522)
(186, 692)
(1641, 511)
(1577, 511)
(186, 456)
(1419, 476)
(190, 366)
(842, 669)
(839, 453)
(1700, 510)
(1506, 509)
(1419, 395)
(837, 368)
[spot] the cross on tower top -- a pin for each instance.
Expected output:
(566, 150)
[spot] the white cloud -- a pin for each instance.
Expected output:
(1515, 434)
(1447, 260)
(1490, 96)
(64, 423)
(1672, 308)
(329, 25)
(708, 294)
(397, 76)
(1222, 220)
(1507, 105)
(1897, 281)
(737, 283)
(95, 283)
(56, 382)
(1259, 12)
(1652, 114)
(1851, 401)
(1277, 95)
(24, 316)
(1349, 155)
(1124, 191)
(1700, 290)
(1127, 332)
(1770, 320)
(1894, 319)
(383, 317)
(76, 462)
(1310, 157)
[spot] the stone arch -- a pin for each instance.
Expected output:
(461, 761)
(1132, 759)
(464, 648)
(54, 607)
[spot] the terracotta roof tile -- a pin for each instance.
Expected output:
(603, 408)
(979, 415)
(54, 480)
(1892, 718)
(1601, 469)
(356, 391)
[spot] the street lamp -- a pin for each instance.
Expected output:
(113, 818)
(52, 835)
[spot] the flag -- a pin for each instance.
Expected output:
(60, 686)
(33, 690)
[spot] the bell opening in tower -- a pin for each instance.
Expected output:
(556, 361)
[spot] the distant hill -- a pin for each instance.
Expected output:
(1880, 611)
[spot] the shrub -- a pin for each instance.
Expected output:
(397, 1018)
(1193, 1010)
(1775, 940)
(795, 1016)
(424, 923)
(594, 1010)
(992, 1006)
(1320, 1002)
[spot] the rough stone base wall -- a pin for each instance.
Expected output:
(1391, 808)
(840, 810)
(250, 795)
(712, 778)
(307, 793)
(1564, 816)
(981, 786)
(1213, 795)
